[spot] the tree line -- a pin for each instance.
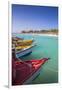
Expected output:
(54, 31)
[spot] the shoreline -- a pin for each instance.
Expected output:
(54, 35)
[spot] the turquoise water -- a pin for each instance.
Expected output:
(46, 47)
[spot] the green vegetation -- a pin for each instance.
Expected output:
(52, 31)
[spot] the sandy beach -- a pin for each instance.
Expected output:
(54, 35)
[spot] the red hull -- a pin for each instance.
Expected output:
(22, 71)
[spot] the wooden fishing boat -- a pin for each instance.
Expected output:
(24, 42)
(24, 46)
(15, 39)
(25, 51)
(25, 72)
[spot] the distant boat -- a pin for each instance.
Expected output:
(25, 72)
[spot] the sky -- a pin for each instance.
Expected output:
(28, 17)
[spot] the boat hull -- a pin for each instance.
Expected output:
(32, 77)
(24, 52)
(25, 72)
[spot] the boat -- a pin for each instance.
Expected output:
(15, 39)
(20, 41)
(24, 51)
(24, 42)
(24, 46)
(21, 44)
(23, 72)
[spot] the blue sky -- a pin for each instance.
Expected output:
(25, 17)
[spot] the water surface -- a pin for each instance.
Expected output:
(47, 46)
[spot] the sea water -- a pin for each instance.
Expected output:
(46, 47)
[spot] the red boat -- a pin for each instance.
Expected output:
(25, 72)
